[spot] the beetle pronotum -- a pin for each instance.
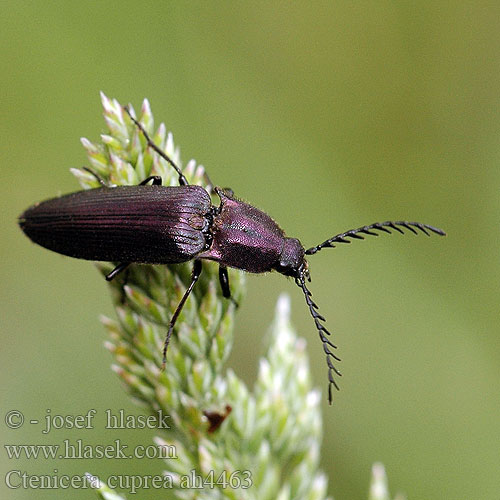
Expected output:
(155, 224)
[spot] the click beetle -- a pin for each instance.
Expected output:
(154, 224)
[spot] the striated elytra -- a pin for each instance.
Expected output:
(155, 224)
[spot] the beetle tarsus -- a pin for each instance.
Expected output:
(194, 278)
(182, 180)
(157, 181)
(210, 187)
(100, 180)
(117, 270)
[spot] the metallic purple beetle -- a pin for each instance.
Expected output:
(155, 224)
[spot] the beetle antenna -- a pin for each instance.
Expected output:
(182, 180)
(323, 333)
(378, 226)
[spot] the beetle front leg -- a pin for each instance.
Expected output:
(224, 284)
(194, 278)
(211, 188)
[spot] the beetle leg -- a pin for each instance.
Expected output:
(182, 180)
(99, 179)
(224, 284)
(123, 295)
(117, 270)
(155, 178)
(210, 184)
(194, 278)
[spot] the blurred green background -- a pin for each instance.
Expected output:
(327, 115)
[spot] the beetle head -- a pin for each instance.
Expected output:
(292, 259)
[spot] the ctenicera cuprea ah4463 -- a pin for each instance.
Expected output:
(154, 224)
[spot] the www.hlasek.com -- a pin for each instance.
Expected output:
(77, 450)
(17, 479)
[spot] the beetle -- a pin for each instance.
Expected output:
(154, 224)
